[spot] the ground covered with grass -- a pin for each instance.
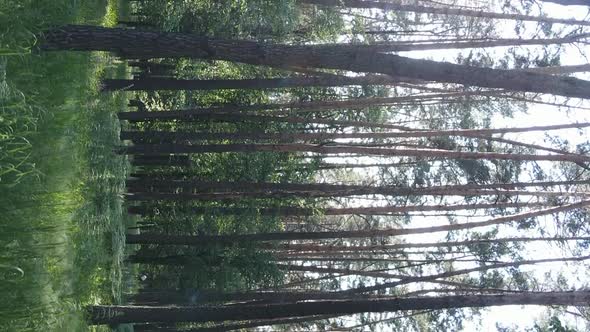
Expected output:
(61, 222)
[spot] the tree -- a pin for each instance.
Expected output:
(164, 189)
(157, 83)
(397, 6)
(129, 314)
(168, 136)
(143, 44)
(342, 149)
(569, 2)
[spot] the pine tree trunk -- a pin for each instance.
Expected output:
(156, 84)
(127, 314)
(369, 4)
(320, 105)
(448, 274)
(160, 160)
(438, 45)
(238, 117)
(370, 211)
(301, 211)
(405, 280)
(177, 137)
(145, 44)
(570, 2)
(259, 323)
(388, 247)
(362, 151)
(161, 189)
(561, 70)
(166, 182)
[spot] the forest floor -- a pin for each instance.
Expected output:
(61, 221)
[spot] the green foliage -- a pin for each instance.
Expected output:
(260, 19)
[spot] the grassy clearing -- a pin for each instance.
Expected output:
(61, 226)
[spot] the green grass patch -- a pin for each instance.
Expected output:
(61, 224)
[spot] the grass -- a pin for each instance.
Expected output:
(61, 224)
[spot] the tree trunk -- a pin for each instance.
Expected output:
(438, 45)
(570, 2)
(155, 84)
(198, 190)
(160, 160)
(257, 323)
(357, 103)
(371, 211)
(203, 240)
(127, 314)
(374, 211)
(388, 247)
(167, 296)
(363, 151)
(561, 70)
(237, 117)
(405, 280)
(369, 4)
(166, 182)
(174, 137)
(145, 44)
(448, 274)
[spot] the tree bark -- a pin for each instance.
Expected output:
(302, 211)
(373, 210)
(387, 247)
(155, 84)
(355, 103)
(199, 190)
(570, 2)
(161, 160)
(561, 70)
(128, 314)
(237, 117)
(144, 44)
(323, 149)
(448, 274)
(169, 136)
(405, 280)
(171, 182)
(368, 4)
(258, 323)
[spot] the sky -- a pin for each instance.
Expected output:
(519, 316)
(524, 316)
